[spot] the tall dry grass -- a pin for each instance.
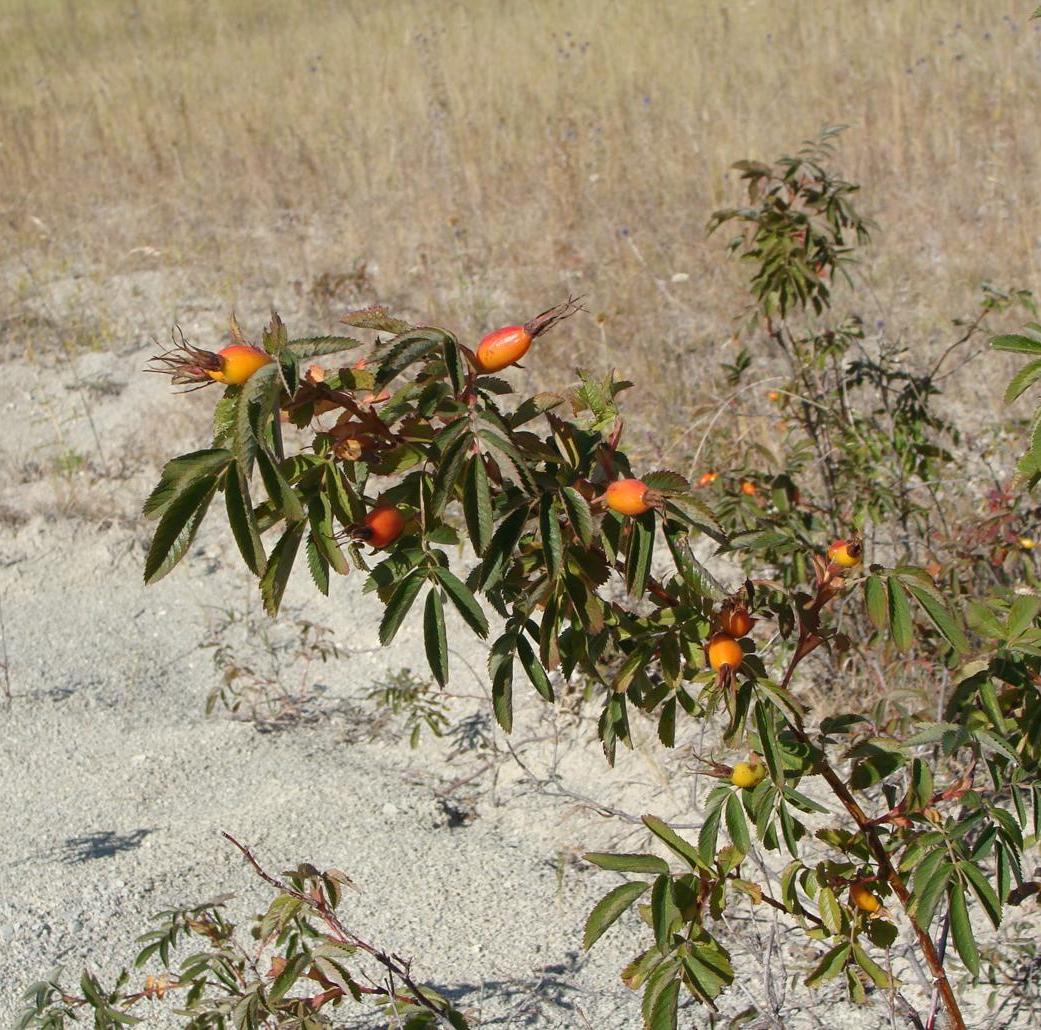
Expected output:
(482, 157)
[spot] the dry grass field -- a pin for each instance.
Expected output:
(473, 161)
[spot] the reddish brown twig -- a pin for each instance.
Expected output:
(394, 964)
(829, 583)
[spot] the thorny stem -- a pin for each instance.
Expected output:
(392, 963)
(888, 871)
(807, 642)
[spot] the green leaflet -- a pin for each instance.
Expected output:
(501, 547)
(177, 527)
(899, 614)
(282, 495)
(638, 554)
(609, 909)
(533, 668)
(279, 566)
(406, 349)
(830, 965)
(434, 636)
(579, 515)
(500, 666)
(477, 504)
(552, 544)
(675, 843)
(320, 517)
(961, 928)
(466, 604)
(180, 473)
(242, 520)
(642, 863)
(877, 602)
(399, 604)
(317, 566)
(256, 402)
(940, 617)
(316, 346)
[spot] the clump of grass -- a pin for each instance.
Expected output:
(413, 701)
(268, 670)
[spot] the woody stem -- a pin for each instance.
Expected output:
(875, 844)
(889, 872)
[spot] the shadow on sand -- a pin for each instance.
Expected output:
(103, 844)
(549, 997)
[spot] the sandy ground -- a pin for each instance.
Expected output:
(117, 785)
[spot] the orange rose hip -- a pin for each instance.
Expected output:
(506, 346)
(735, 621)
(238, 363)
(192, 366)
(503, 347)
(724, 651)
(381, 527)
(627, 497)
(864, 899)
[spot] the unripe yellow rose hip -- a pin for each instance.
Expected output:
(864, 899)
(847, 554)
(748, 774)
